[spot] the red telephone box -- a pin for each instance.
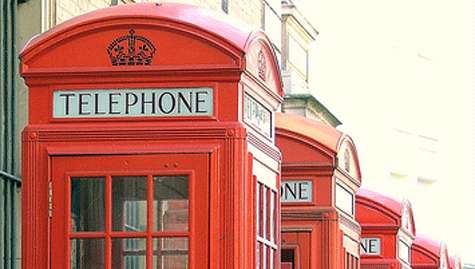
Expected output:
(150, 143)
(429, 254)
(320, 176)
(455, 262)
(387, 230)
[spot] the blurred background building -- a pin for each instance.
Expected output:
(397, 74)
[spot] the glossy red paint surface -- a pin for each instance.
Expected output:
(382, 218)
(429, 253)
(193, 49)
(310, 152)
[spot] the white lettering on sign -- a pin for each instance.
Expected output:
(257, 115)
(370, 246)
(163, 102)
(344, 200)
(296, 191)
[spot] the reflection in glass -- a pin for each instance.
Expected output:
(87, 204)
(129, 203)
(128, 253)
(170, 204)
(170, 253)
(87, 253)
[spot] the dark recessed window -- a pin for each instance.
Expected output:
(225, 5)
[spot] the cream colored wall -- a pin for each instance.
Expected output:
(248, 11)
(378, 72)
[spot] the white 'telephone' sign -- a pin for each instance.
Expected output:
(296, 191)
(162, 102)
(370, 246)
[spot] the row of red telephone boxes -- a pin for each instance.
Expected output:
(329, 222)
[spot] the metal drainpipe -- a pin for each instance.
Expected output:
(9, 183)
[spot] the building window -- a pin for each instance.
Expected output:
(225, 6)
(266, 219)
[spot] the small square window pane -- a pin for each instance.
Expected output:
(87, 204)
(264, 207)
(258, 255)
(129, 253)
(170, 205)
(87, 254)
(129, 203)
(261, 208)
(263, 256)
(268, 213)
(170, 253)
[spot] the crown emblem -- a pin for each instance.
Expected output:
(261, 65)
(131, 49)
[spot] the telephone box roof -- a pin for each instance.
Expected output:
(425, 249)
(220, 25)
(226, 44)
(429, 244)
(333, 141)
(389, 203)
(316, 130)
(388, 206)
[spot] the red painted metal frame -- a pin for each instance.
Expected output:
(151, 161)
(381, 217)
(195, 49)
(310, 151)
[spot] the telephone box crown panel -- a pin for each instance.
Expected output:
(152, 37)
(329, 141)
(314, 141)
(429, 253)
(377, 210)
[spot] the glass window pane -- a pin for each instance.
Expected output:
(269, 218)
(258, 255)
(264, 207)
(274, 215)
(271, 258)
(261, 207)
(129, 203)
(170, 253)
(128, 253)
(258, 208)
(87, 204)
(170, 205)
(263, 256)
(87, 254)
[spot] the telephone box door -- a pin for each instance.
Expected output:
(130, 211)
(295, 253)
